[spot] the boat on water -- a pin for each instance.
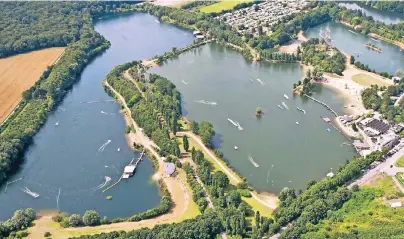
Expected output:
(157, 21)
(251, 80)
(374, 39)
(57, 123)
(260, 81)
(252, 161)
(119, 149)
(302, 110)
(232, 121)
(286, 107)
(353, 32)
(235, 147)
(239, 126)
(280, 107)
(286, 97)
(206, 102)
(328, 129)
(29, 192)
(297, 123)
(186, 83)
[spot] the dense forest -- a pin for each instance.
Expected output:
(158, 112)
(20, 220)
(206, 226)
(392, 6)
(16, 134)
(317, 53)
(27, 26)
(364, 208)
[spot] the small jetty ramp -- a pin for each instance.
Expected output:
(128, 171)
(131, 168)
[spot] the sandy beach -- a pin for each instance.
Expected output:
(292, 46)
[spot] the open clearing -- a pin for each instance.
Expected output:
(18, 73)
(400, 162)
(223, 5)
(367, 80)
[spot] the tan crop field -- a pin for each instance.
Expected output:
(18, 73)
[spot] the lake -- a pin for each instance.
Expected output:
(378, 15)
(70, 157)
(288, 155)
(390, 60)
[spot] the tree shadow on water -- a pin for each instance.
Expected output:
(217, 141)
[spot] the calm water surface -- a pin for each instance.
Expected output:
(68, 156)
(378, 15)
(287, 154)
(390, 60)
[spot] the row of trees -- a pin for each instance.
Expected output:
(20, 220)
(206, 226)
(205, 130)
(392, 6)
(364, 208)
(315, 52)
(157, 112)
(366, 24)
(16, 134)
(313, 205)
(362, 66)
(27, 26)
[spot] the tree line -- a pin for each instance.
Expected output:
(28, 26)
(21, 219)
(317, 53)
(16, 135)
(392, 6)
(362, 66)
(158, 112)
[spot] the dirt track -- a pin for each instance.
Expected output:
(18, 73)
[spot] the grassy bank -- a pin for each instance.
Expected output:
(223, 5)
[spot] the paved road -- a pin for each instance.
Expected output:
(384, 167)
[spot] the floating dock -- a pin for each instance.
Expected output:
(128, 171)
(322, 103)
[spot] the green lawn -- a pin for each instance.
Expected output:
(367, 80)
(223, 5)
(400, 178)
(400, 162)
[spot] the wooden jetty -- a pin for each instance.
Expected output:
(324, 104)
(128, 171)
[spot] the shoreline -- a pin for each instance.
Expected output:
(374, 35)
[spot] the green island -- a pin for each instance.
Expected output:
(204, 197)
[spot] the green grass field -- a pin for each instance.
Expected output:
(223, 5)
(367, 80)
(400, 178)
(400, 162)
